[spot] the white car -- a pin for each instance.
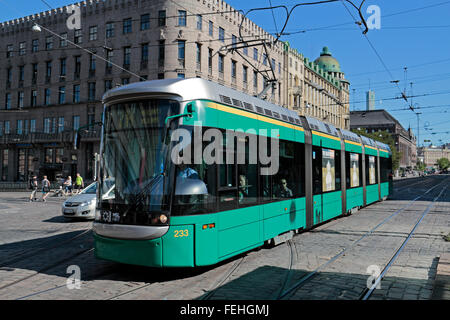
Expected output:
(83, 204)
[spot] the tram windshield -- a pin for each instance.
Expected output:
(135, 153)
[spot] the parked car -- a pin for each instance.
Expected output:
(83, 204)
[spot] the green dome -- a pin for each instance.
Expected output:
(327, 62)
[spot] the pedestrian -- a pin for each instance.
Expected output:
(68, 185)
(79, 184)
(45, 188)
(33, 187)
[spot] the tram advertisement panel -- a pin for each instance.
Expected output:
(372, 170)
(328, 182)
(354, 170)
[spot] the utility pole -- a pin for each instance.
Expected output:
(418, 129)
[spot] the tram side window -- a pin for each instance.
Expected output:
(227, 192)
(326, 170)
(247, 170)
(371, 170)
(353, 170)
(317, 170)
(287, 183)
(386, 169)
(265, 183)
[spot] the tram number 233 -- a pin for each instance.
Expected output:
(181, 233)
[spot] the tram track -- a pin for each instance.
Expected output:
(28, 253)
(367, 293)
(286, 291)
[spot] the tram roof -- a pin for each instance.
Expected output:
(349, 135)
(197, 88)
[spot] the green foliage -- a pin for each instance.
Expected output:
(421, 166)
(384, 137)
(443, 163)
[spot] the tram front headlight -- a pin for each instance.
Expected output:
(163, 218)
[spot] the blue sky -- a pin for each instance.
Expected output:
(413, 34)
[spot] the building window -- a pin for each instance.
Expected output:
(62, 95)
(109, 29)
(255, 79)
(127, 26)
(92, 33)
(181, 49)
(33, 98)
(144, 55)
(109, 56)
(211, 28)
(47, 96)
(198, 55)
(245, 75)
(7, 127)
(255, 54)
(33, 125)
(22, 48)
(210, 58)
(108, 85)
(78, 36)
(125, 81)
(221, 63)
(161, 18)
(47, 124)
(221, 34)
(181, 18)
(5, 164)
(76, 122)
(63, 40)
(20, 96)
(21, 74)
(25, 127)
(77, 68)
(35, 45)
(9, 51)
(264, 59)
(48, 155)
(145, 21)
(233, 41)
(49, 43)
(161, 52)
(59, 154)
(62, 67)
(92, 65)
(76, 93)
(199, 22)
(48, 71)
(126, 57)
(181, 75)
(91, 91)
(19, 126)
(8, 101)
(245, 50)
(233, 70)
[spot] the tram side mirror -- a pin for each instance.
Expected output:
(190, 108)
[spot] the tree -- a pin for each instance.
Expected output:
(384, 137)
(421, 166)
(443, 163)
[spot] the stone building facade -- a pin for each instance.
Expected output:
(381, 120)
(430, 155)
(50, 86)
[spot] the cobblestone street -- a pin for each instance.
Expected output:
(37, 245)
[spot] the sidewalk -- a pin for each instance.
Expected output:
(441, 290)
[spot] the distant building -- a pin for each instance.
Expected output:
(432, 154)
(370, 100)
(381, 120)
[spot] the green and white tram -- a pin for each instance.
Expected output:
(203, 172)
